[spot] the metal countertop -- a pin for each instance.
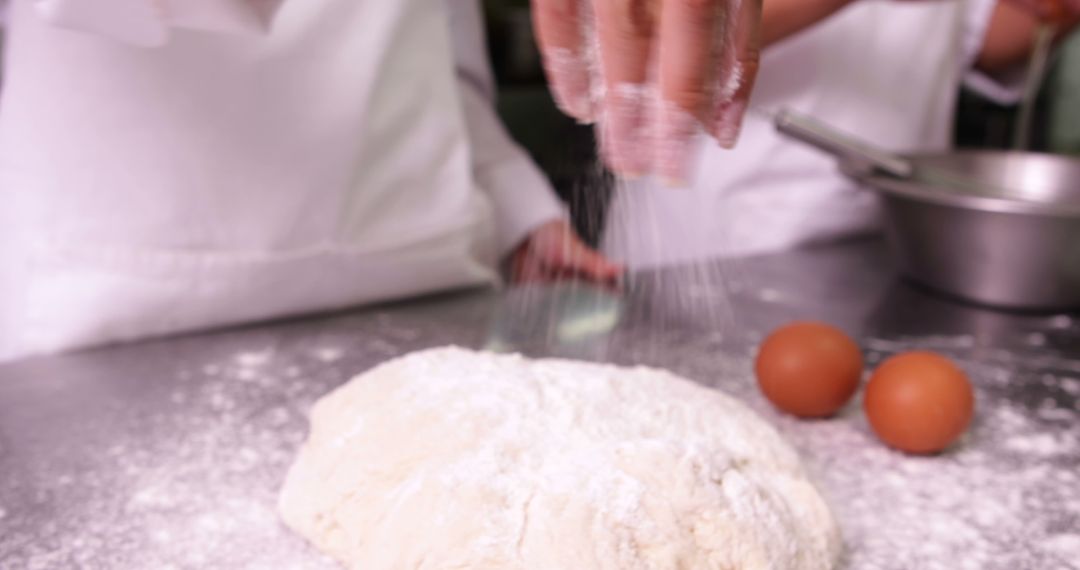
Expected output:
(169, 453)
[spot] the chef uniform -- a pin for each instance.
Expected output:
(886, 71)
(173, 165)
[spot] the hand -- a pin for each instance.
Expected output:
(553, 252)
(1051, 10)
(704, 56)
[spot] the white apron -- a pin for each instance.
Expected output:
(165, 172)
(887, 71)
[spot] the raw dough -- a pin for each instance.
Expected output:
(452, 459)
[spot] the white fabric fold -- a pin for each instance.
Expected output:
(223, 16)
(224, 179)
(148, 23)
(138, 22)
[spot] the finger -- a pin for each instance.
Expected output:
(527, 265)
(1044, 10)
(690, 34)
(528, 268)
(1054, 11)
(560, 30)
(601, 269)
(516, 265)
(591, 264)
(625, 29)
(747, 51)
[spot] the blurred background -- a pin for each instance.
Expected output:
(561, 148)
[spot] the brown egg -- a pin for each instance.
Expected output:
(919, 402)
(808, 369)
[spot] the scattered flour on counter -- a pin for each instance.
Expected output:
(1067, 545)
(973, 508)
(1043, 444)
(1061, 322)
(194, 482)
(1006, 497)
(939, 342)
(195, 485)
(1071, 386)
(329, 354)
(770, 295)
(1057, 414)
(251, 359)
(1036, 339)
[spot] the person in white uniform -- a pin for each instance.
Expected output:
(165, 172)
(886, 71)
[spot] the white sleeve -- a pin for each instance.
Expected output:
(521, 194)
(148, 22)
(1003, 88)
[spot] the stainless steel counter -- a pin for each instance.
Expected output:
(169, 453)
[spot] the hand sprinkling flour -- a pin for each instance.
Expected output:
(652, 74)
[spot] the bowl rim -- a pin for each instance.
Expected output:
(926, 193)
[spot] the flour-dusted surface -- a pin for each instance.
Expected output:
(202, 429)
(1013, 505)
(450, 458)
(171, 455)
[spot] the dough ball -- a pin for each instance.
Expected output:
(450, 459)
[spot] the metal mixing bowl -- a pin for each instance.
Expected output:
(1016, 249)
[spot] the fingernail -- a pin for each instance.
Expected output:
(575, 103)
(625, 131)
(729, 123)
(568, 74)
(674, 144)
(726, 121)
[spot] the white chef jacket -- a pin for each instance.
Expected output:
(172, 165)
(886, 71)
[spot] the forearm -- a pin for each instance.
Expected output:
(782, 19)
(1011, 35)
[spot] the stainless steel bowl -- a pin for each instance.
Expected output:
(1021, 251)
